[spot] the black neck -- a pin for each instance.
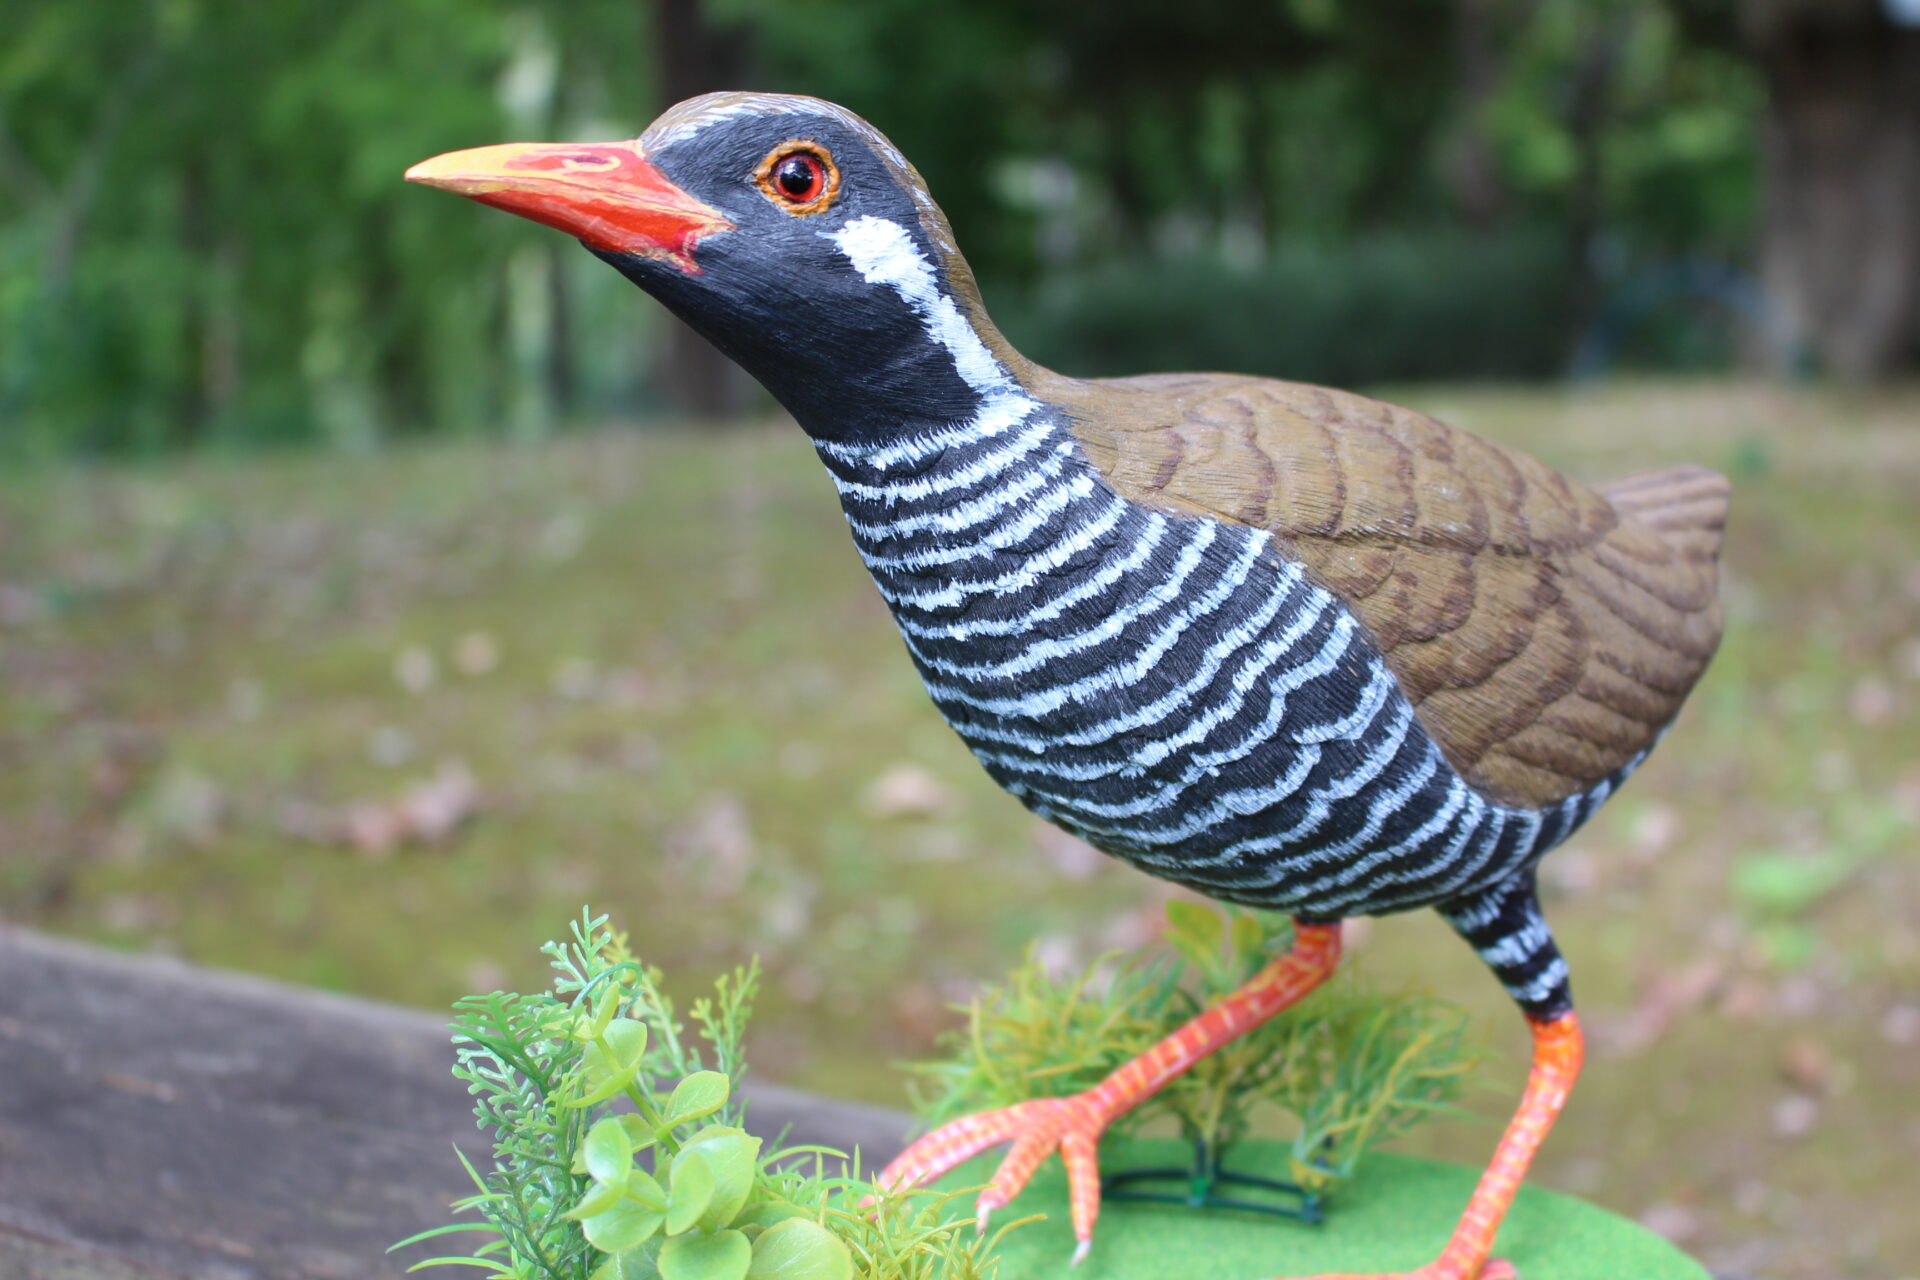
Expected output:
(856, 366)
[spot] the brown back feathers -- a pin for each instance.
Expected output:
(1545, 632)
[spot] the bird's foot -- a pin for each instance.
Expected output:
(1037, 1128)
(1445, 1269)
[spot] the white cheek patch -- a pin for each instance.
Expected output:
(883, 253)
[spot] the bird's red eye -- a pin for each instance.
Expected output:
(799, 177)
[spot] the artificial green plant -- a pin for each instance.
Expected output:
(620, 1153)
(1344, 1069)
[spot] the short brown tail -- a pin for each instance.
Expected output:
(1687, 504)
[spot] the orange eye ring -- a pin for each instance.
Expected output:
(799, 176)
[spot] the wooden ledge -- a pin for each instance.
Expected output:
(162, 1120)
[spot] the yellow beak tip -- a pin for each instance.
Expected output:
(431, 173)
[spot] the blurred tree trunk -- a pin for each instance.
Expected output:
(696, 56)
(1840, 246)
(1117, 127)
(66, 202)
(1257, 156)
(1591, 96)
(210, 363)
(1472, 166)
(191, 407)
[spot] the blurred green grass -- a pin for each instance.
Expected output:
(652, 667)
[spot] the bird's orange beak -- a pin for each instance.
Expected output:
(606, 193)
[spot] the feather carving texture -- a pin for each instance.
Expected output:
(1546, 632)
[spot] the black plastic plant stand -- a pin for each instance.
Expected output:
(1203, 1180)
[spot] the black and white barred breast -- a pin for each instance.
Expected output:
(1173, 690)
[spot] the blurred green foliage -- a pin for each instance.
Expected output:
(1406, 304)
(204, 238)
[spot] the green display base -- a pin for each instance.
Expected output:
(1394, 1216)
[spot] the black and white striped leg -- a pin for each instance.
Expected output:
(1504, 925)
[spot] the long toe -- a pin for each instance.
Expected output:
(1072, 1126)
(953, 1144)
(1491, 1269)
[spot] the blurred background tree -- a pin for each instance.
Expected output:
(203, 238)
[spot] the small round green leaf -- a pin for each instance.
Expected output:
(612, 1061)
(624, 1226)
(732, 1156)
(700, 1094)
(725, 1255)
(639, 1132)
(692, 1192)
(634, 1264)
(641, 1186)
(608, 1152)
(800, 1249)
(769, 1212)
(599, 1198)
(609, 1005)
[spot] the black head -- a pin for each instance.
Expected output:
(793, 235)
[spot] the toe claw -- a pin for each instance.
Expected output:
(1080, 1252)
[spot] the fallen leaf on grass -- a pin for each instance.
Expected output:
(1656, 831)
(785, 917)
(1675, 1222)
(918, 1014)
(1071, 856)
(427, 813)
(1795, 1115)
(1745, 999)
(1908, 661)
(1872, 701)
(1058, 955)
(476, 654)
(1664, 998)
(1901, 1025)
(135, 913)
(414, 669)
(908, 791)
(718, 838)
(1570, 871)
(19, 606)
(390, 746)
(1807, 1064)
(631, 690)
(1906, 794)
(576, 679)
(187, 805)
(1129, 931)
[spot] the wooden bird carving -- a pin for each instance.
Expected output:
(1291, 647)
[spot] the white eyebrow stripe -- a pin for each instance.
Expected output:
(883, 253)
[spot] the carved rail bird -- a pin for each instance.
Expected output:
(1290, 647)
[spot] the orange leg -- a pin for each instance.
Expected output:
(1557, 1051)
(1073, 1125)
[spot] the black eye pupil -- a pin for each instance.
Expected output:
(796, 176)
